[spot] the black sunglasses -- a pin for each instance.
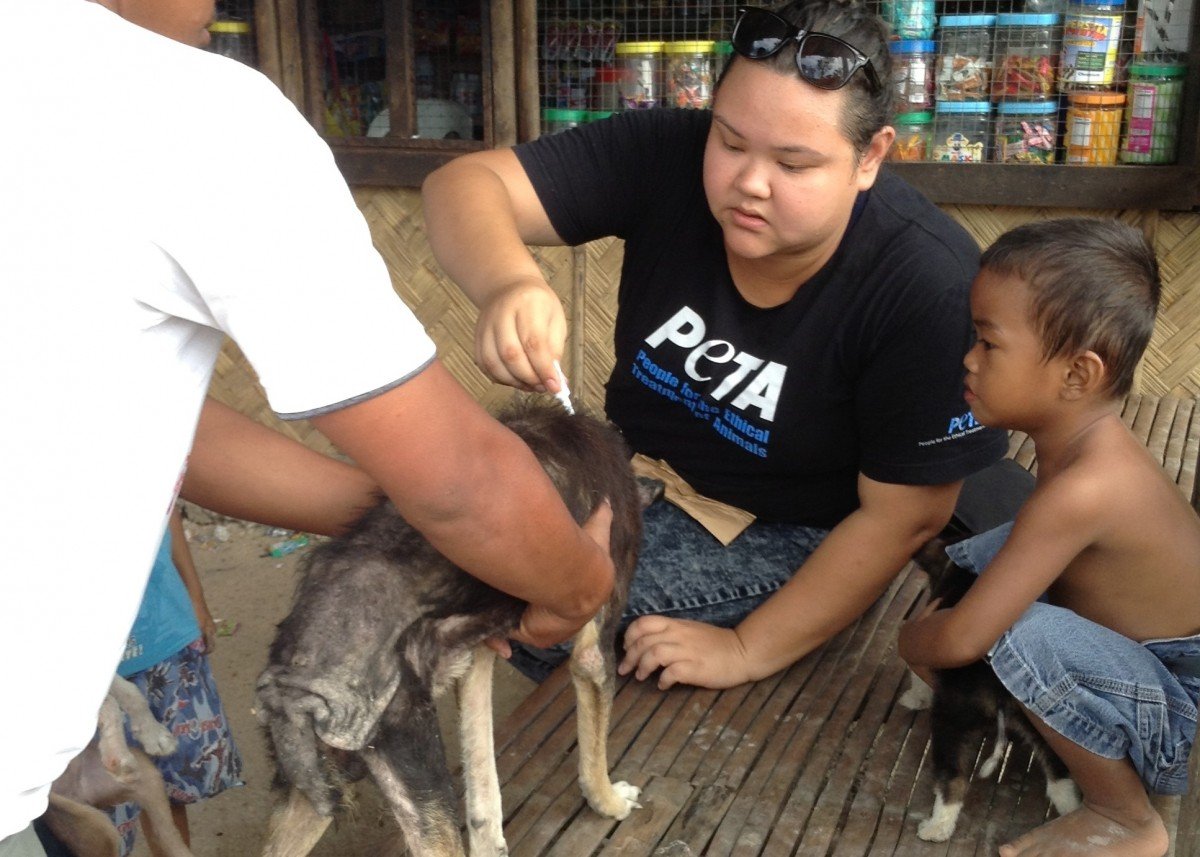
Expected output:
(825, 61)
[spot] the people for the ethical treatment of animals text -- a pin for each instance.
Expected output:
(115, 308)
(1087, 606)
(791, 324)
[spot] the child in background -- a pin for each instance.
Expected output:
(167, 658)
(1087, 606)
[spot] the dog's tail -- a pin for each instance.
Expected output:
(993, 761)
(294, 744)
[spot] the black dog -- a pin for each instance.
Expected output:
(383, 623)
(968, 702)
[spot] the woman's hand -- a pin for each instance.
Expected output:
(520, 333)
(688, 652)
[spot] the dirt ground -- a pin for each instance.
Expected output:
(251, 591)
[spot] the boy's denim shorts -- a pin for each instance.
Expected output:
(1112, 696)
(684, 572)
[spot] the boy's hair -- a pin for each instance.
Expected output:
(1094, 286)
(864, 112)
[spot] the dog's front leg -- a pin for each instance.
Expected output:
(155, 738)
(485, 815)
(592, 672)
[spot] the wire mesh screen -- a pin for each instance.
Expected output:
(447, 67)
(1062, 82)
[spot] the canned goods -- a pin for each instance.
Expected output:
(1094, 127)
(1091, 35)
(960, 132)
(1025, 132)
(689, 74)
(912, 136)
(912, 71)
(1025, 57)
(964, 63)
(1152, 108)
(640, 74)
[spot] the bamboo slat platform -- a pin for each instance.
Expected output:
(817, 760)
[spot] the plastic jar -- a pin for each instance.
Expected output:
(912, 136)
(1094, 127)
(912, 70)
(960, 132)
(689, 74)
(1025, 132)
(1025, 57)
(1091, 36)
(640, 69)
(555, 119)
(233, 39)
(606, 88)
(722, 52)
(909, 19)
(1152, 106)
(964, 62)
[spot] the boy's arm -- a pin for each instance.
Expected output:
(181, 556)
(1057, 523)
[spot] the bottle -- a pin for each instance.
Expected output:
(912, 136)
(1091, 36)
(233, 39)
(964, 62)
(1025, 132)
(1094, 127)
(912, 70)
(1025, 57)
(1152, 106)
(960, 132)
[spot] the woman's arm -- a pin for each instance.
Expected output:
(480, 213)
(181, 558)
(839, 581)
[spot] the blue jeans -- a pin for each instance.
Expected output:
(1111, 695)
(683, 572)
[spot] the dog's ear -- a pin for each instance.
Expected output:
(649, 490)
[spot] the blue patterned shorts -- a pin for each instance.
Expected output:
(183, 696)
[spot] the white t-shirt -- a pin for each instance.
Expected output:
(154, 198)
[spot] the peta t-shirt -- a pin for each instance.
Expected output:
(773, 410)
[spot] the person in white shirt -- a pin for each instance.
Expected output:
(179, 200)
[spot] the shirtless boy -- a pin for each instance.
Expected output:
(1087, 606)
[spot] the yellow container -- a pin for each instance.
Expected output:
(1094, 127)
(639, 75)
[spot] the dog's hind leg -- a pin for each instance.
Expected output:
(592, 672)
(81, 828)
(950, 779)
(295, 827)
(408, 763)
(151, 794)
(485, 815)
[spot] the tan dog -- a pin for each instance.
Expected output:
(108, 773)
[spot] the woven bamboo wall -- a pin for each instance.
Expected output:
(1172, 363)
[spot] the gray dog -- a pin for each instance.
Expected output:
(382, 624)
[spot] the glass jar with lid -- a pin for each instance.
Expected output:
(1094, 127)
(960, 132)
(1152, 106)
(1025, 57)
(640, 74)
(1091, 37)
(233, 39)
(964, 62)
(688, 76)
(1025, 132)
(912, 136)
(912, 72)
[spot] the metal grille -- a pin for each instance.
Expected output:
(1075, 82)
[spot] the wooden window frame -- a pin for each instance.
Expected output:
(288, 51)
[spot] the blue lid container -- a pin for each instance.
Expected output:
(967, 21)
(963, 107)
(1027, 107)
(912, 46)
(1021, 19)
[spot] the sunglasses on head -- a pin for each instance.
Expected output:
(823, 60)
